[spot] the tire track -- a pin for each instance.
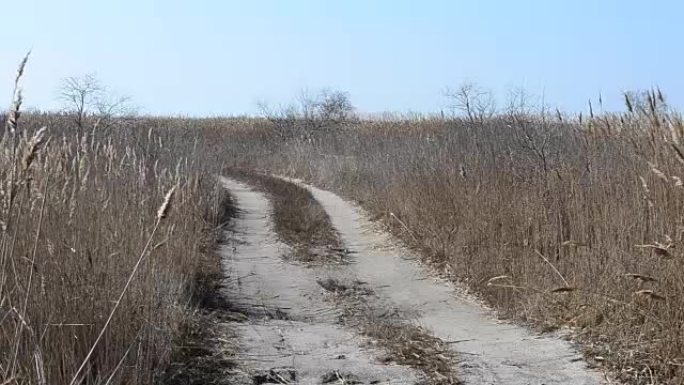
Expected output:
(492, 352)
(291, 335)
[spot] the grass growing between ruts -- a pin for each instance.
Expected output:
(403, 341)
(300, 221)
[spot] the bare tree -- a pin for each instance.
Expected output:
(325, 108)
(79, 94)
(523, 110)
(334, 106)
(475, 102)
(85, 96)
(310, 113)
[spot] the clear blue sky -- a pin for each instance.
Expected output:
(207, 57)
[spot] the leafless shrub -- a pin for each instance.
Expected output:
(476, 103)
(311, 114)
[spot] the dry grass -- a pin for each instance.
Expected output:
(300, 221)
(403, 341)
(206, 346)
(102, 238)
(480, 202)
(555, 222)
(567, 214)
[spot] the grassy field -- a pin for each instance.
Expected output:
(105, 244)
(554, 221)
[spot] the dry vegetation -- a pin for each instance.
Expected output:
(300, 221)
(104, 247)
(403, 342)
(553, 221)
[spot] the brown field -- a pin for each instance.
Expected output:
(101, 257)
(553, 221)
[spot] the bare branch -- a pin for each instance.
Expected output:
(86, 96)
(475, 102)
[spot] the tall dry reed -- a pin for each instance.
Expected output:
(94, 280)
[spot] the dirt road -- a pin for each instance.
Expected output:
(292, 335)
(293, 327)
(492, 352)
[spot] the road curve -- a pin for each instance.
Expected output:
(292, 334)
(492, 352)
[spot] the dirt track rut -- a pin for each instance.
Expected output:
(492, 352)
(292, 326)
(292, 335)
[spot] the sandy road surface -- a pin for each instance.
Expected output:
(292, 334)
